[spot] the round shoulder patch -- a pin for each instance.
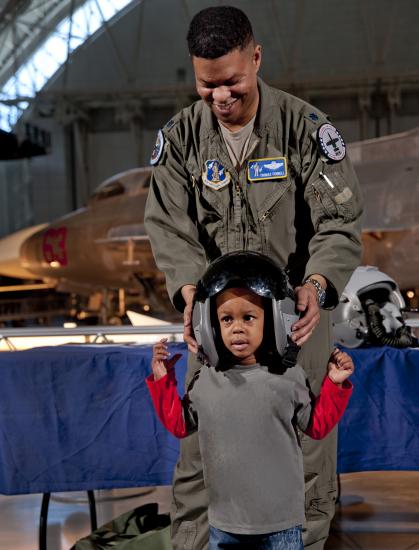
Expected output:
(331, 143)
(158, 148)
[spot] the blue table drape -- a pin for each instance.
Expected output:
(80, 417)
(380, 428)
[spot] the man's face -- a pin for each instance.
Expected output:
(228, 84)
(241, 316)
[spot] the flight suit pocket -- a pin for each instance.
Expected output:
(274, 199)
(320, 501)
(334, 198)
(210, 212)
(186, 535)
(208, 200)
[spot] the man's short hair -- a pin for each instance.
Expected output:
(218, 30)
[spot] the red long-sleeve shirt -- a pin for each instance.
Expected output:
(327, 409)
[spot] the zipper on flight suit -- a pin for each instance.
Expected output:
(237, 205)
(237, 213)
(263, 217)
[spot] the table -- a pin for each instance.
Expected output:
(380, 428)
(80, 417)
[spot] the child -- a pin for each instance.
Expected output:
(248, 413)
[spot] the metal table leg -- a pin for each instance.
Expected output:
(92, 509)
(43, 521)
(43, 518)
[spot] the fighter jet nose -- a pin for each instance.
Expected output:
(11, 264)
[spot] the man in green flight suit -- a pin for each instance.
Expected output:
(249, 167)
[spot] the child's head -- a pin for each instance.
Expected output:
(241, 313)
(248, 285)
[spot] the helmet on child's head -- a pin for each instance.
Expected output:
(257, 273)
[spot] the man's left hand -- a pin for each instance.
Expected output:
(307, 304)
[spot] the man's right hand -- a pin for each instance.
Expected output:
(188, 292)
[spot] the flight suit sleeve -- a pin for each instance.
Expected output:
(333, 194)
(170, 221)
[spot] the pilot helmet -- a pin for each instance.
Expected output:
(257, 273)
(369, 311)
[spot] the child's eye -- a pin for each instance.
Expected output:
(249, 317)
(226, 319)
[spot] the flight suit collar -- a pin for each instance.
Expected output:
(265, 115)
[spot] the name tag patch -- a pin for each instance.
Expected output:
(267, 169)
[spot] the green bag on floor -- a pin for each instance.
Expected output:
(140, 529)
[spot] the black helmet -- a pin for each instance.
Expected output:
(262, 276)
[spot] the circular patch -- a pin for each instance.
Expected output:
(158, 148)
(331, 143)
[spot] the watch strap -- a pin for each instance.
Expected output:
(321, 293)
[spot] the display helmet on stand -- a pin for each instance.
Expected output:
(259, 274)
(370, 311)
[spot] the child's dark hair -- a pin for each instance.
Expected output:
(218, 30)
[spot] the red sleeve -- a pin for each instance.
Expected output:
(328, 408)
(167, 403)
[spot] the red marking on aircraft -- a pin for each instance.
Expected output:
(54, 245)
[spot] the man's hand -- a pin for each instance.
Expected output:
(160, 363)
(188, 292)
(306, 301)
(340, 367)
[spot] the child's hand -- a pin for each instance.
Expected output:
(160, 363)
(340, 366)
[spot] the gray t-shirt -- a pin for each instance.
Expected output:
(239, 142)
(253, 469)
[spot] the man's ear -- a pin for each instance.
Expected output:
(257, 56)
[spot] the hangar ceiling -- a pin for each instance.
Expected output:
(363, 50)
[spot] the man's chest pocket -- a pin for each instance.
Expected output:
(270, 196)
(210, 201)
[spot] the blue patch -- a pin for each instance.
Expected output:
(170, 124)
(215, 175)
(267, 169)
(313, 117)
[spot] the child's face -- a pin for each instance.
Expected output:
(241, 316)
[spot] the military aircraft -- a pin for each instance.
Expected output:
(100, 246)
(104, 245)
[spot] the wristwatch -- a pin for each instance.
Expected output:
(321, 293)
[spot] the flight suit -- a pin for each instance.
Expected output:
(308, 220)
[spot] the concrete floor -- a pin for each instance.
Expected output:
(378, 511)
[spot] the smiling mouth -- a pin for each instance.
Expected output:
(225, 107)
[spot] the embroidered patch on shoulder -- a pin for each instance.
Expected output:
(331, 144)
(170, 124)
(158, 149)
(267, 169)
